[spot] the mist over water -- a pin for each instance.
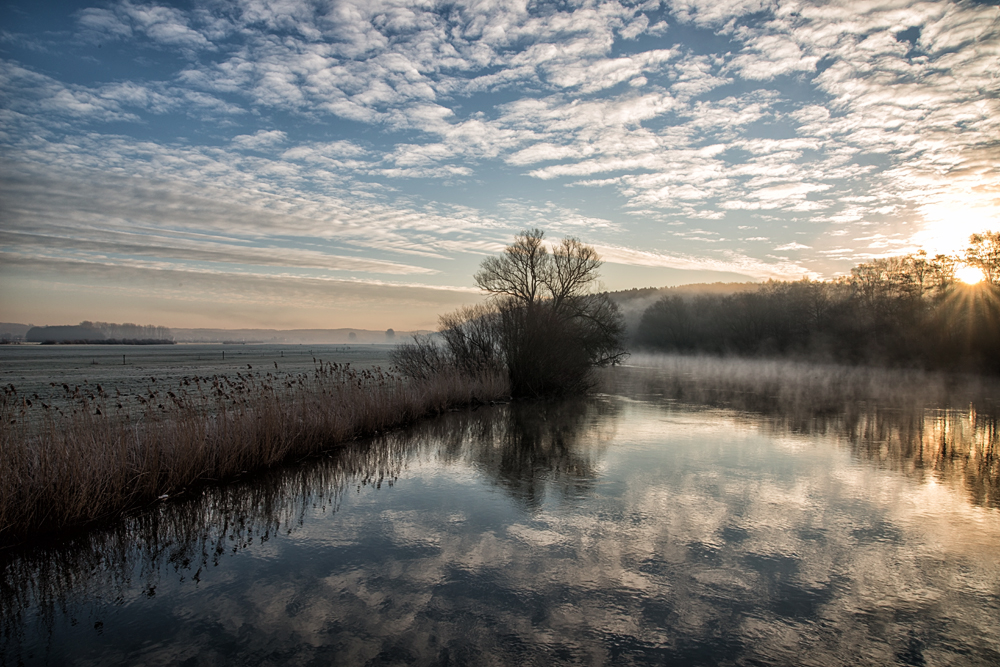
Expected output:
(695, 511)
(934, 426)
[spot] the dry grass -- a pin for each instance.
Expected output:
(105, 455)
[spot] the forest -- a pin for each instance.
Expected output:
(939, 313)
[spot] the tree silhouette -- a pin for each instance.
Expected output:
(984, 253)
(541, 325)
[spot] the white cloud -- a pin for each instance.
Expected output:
(260, 139)
(103, 23)
(803, 112)
(768, 56)
(252, 209)
(164, 26)
(792, 246)
(716, 12)
(30, 92)
(788, 191)
(591, 76)
(729, 261)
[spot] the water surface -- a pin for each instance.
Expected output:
(633, 527)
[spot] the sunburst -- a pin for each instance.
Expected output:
(970, 275)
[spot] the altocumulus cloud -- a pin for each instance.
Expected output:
(393, 143)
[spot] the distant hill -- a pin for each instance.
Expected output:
(87, 331)
(60, 334)
(95, 332)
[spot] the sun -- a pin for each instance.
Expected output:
(970, 275)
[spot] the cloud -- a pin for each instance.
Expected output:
(226, 215)
(787, 191)
(66, 241)
(792, 246)
(52, 103)
(728, 262)
(192, 296)
(591, 76)
(164, 26)
(31, 93)
(768, 56)
(355, 123)
(715, 13)
(260, 139)
(102, 24)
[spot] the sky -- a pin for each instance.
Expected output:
(326, 164)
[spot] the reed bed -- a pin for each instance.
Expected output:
(104, 454)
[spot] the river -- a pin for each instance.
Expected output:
(650, 523)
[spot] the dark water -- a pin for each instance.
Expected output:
(631, 527)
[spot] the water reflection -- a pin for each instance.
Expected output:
(530, 448)
(527, 449)
(920, 424)
(636, 527)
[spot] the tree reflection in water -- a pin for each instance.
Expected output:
(524, 448)
(909, 421)
(529, 448)
(667, 559)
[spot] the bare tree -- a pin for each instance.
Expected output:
(472, 335)
(519, 272)
(421, 359)
(528, 273)
(542, 324)
(571, 272)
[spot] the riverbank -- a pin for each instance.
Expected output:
(100, 456)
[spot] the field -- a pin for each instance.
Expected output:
(41, 370)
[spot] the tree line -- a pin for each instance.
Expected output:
(130, 331)
(100, 332)
(909, 310)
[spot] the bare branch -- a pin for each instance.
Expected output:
(519, 272)
(573, 269)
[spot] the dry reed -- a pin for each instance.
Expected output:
(104, 455)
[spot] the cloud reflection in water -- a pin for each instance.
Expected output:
(632, 527)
